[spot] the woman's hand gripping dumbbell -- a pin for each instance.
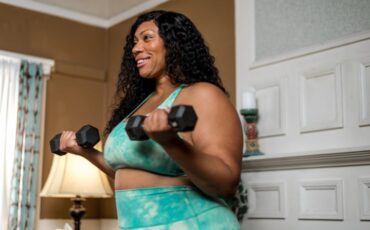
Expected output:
(181, 118)
(86, 137)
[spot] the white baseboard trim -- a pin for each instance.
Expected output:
(86, 224)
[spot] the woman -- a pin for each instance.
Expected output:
(173, 180)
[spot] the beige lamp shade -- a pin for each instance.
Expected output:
(72, 175)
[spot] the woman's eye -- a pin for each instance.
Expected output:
(146, 37)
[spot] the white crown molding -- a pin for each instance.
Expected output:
(134, 11)
(333, 158)
(81, 17)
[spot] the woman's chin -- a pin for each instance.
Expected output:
(146, 76)
(143, 74)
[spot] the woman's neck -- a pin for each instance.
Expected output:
(164, 86)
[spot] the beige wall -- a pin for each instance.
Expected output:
(75, 92)
(87, 59)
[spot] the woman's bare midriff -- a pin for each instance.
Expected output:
(129, 178)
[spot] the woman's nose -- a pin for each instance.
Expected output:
(137, 48)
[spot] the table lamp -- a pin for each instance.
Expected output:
(74, 177)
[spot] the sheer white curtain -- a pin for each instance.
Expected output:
(9, 83)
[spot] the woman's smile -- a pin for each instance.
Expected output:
(140, 62)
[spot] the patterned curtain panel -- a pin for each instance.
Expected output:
(9, 82)
(26, 164)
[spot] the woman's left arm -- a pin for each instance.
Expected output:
(212, 159)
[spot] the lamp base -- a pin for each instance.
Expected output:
(77, 211)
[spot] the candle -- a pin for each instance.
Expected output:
(249, 99)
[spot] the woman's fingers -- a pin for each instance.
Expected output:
(157, 128)
(156, 121)
(67, 141)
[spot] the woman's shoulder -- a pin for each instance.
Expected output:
(201, 93)
(203, 90)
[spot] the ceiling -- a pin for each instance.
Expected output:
(101, 13)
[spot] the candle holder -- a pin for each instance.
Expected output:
(250, 126)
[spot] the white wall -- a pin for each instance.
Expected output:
(310, 99)
(314, 127)
(288, 25)
(326, 198)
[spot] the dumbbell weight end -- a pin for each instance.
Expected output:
(182, 118)
(87, 136)
(134, 128)
(54, 145)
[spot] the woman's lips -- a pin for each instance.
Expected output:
(141, 62)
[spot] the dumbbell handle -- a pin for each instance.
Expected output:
(185, 113)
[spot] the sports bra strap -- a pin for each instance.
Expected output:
(166, 103)
(137, 107)
(171, 98)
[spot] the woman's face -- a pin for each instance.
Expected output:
(149, 51)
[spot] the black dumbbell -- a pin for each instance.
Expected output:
(86, 137)
(181, 118)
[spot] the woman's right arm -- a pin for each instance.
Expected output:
(69, 144)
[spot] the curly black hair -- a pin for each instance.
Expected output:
(188, 61)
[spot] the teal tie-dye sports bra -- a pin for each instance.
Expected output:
(121, 152)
